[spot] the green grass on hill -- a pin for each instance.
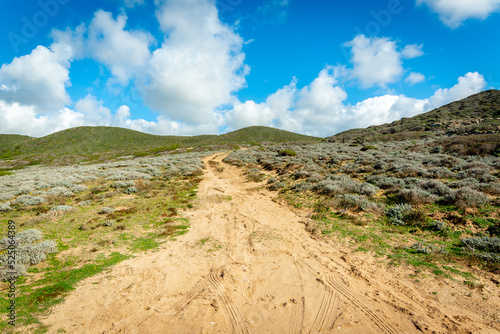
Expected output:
(260, 134)
(9, 141)
(98, 143)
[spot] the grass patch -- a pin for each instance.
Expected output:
(204, 241)
(482, 222)
(143, 244)
(4, 172)
(287, 153)
(36, 298)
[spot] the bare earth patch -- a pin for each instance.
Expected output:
(248, 265)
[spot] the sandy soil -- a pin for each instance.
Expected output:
(248, 265)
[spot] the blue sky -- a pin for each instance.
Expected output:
(187, 67)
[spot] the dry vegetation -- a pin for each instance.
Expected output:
(91, 217)
(405, 201)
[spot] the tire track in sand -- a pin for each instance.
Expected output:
(190, 295)
(326, 315)
(297, 321)
(381, 324)
(234, 314)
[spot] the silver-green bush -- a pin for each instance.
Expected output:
(61, 208)
(106, 210)
(4, 207)
(398, 213)
(467, 197)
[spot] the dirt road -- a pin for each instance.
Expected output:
(248, 265)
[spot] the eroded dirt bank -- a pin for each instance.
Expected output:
(248, 265)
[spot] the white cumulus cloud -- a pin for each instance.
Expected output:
(124, 52)
(319, 108)
(16, 118)
(38, 79)
(200, 63)
(106, 40)
(454, 12)
(468, 84)
(94, 111)
(412, 51)
(414, 78)
(377, 61)
(250, 113)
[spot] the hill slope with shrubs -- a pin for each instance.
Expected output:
(476, 114)
(10, 141)
(95, 142)
(421, 207)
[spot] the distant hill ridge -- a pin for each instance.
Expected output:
(89, 140)
(476, 114)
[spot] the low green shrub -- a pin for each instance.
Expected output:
(287, 153)
(368, 147)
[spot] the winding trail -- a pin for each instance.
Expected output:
(247, 265)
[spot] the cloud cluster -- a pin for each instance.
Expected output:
(191, 77)
(454, 12)
(21, 119)
(16, 118)
(38, 79)
(319, 109)
(377, 61)
(469, 84)
(107, 41)
(196, 70)
(198, 67)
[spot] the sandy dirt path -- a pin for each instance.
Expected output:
(248, 265)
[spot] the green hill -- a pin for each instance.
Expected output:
(476, 114)
(101, 142)
(88, 140)
(261, 134)
(10, 141)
